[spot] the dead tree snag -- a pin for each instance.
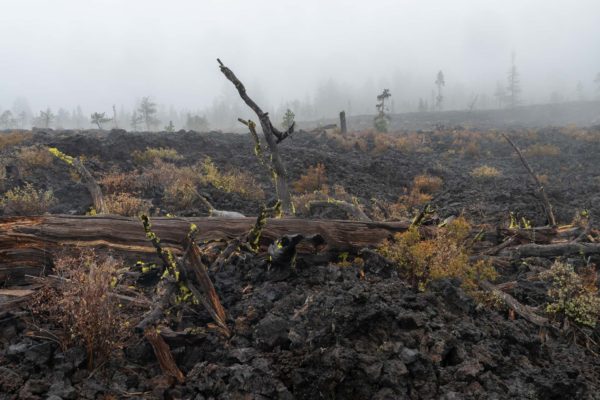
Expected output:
(86, 177)
(540, 187)
(272, 136)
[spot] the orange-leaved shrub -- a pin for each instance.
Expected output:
(314, 179)
(445, 255)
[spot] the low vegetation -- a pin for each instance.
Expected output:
(83, 307)
(27, 200)
(34, 157)
(314, 179)
(151, 154)
(542, 150)
(485, 172)
(445, 255)
(13, 139)
(573, 297)
(126, 204)
(233, 181)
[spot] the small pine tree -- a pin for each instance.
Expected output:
(170, 127)
(382, 119)
(288, 119)
(99, 119)
(147, 110)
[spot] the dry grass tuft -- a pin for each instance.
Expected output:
(232, 181)
(314, 179)
(152, 154)
(542, 150)
(485, 172)
(27, 200)
(427, 184)
(13, 138)
(34, 157)
(119, 182)
(126, 204)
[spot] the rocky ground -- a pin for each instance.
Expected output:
(328, 330)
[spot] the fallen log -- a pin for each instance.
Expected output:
(28, 244)
(551, 250)
(523, 310)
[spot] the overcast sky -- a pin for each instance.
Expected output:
(97, 53)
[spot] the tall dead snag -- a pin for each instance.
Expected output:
(540, 187)
(86, 177)
(272, 136)
(343, 128)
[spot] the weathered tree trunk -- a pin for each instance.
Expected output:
(272, 136)
(28, 244)
(343, 128)
(540, 187)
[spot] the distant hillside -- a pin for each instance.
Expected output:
(585, 113)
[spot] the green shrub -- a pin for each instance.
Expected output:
(572, 297)
(27, 200)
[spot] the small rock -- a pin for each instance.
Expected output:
(409, 355)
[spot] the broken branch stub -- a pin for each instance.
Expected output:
(540, 187)
(272, 137)
(86, 177)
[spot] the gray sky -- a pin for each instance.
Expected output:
(98, 53)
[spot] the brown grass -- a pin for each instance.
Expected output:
(231, 181)
(542, 150)
(485, 172)
(119, 182)
(313, 179)
(34, 157)
(427, 184)
(13, 138)
(126, 204)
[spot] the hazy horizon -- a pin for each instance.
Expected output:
(330, 55)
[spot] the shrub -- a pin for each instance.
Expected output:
(13, 138)
(542, 150)
(118, 182)
(574, 298)
(446, 255)
(427, 184)
(33, 157)
(152, 154)
(126, 204)
(82, 306)
(27, 200)
(472, 149)
(420, 193)
(485, 172)
(313, 179)
(233, 181)
(161, 174)
(180, 194)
